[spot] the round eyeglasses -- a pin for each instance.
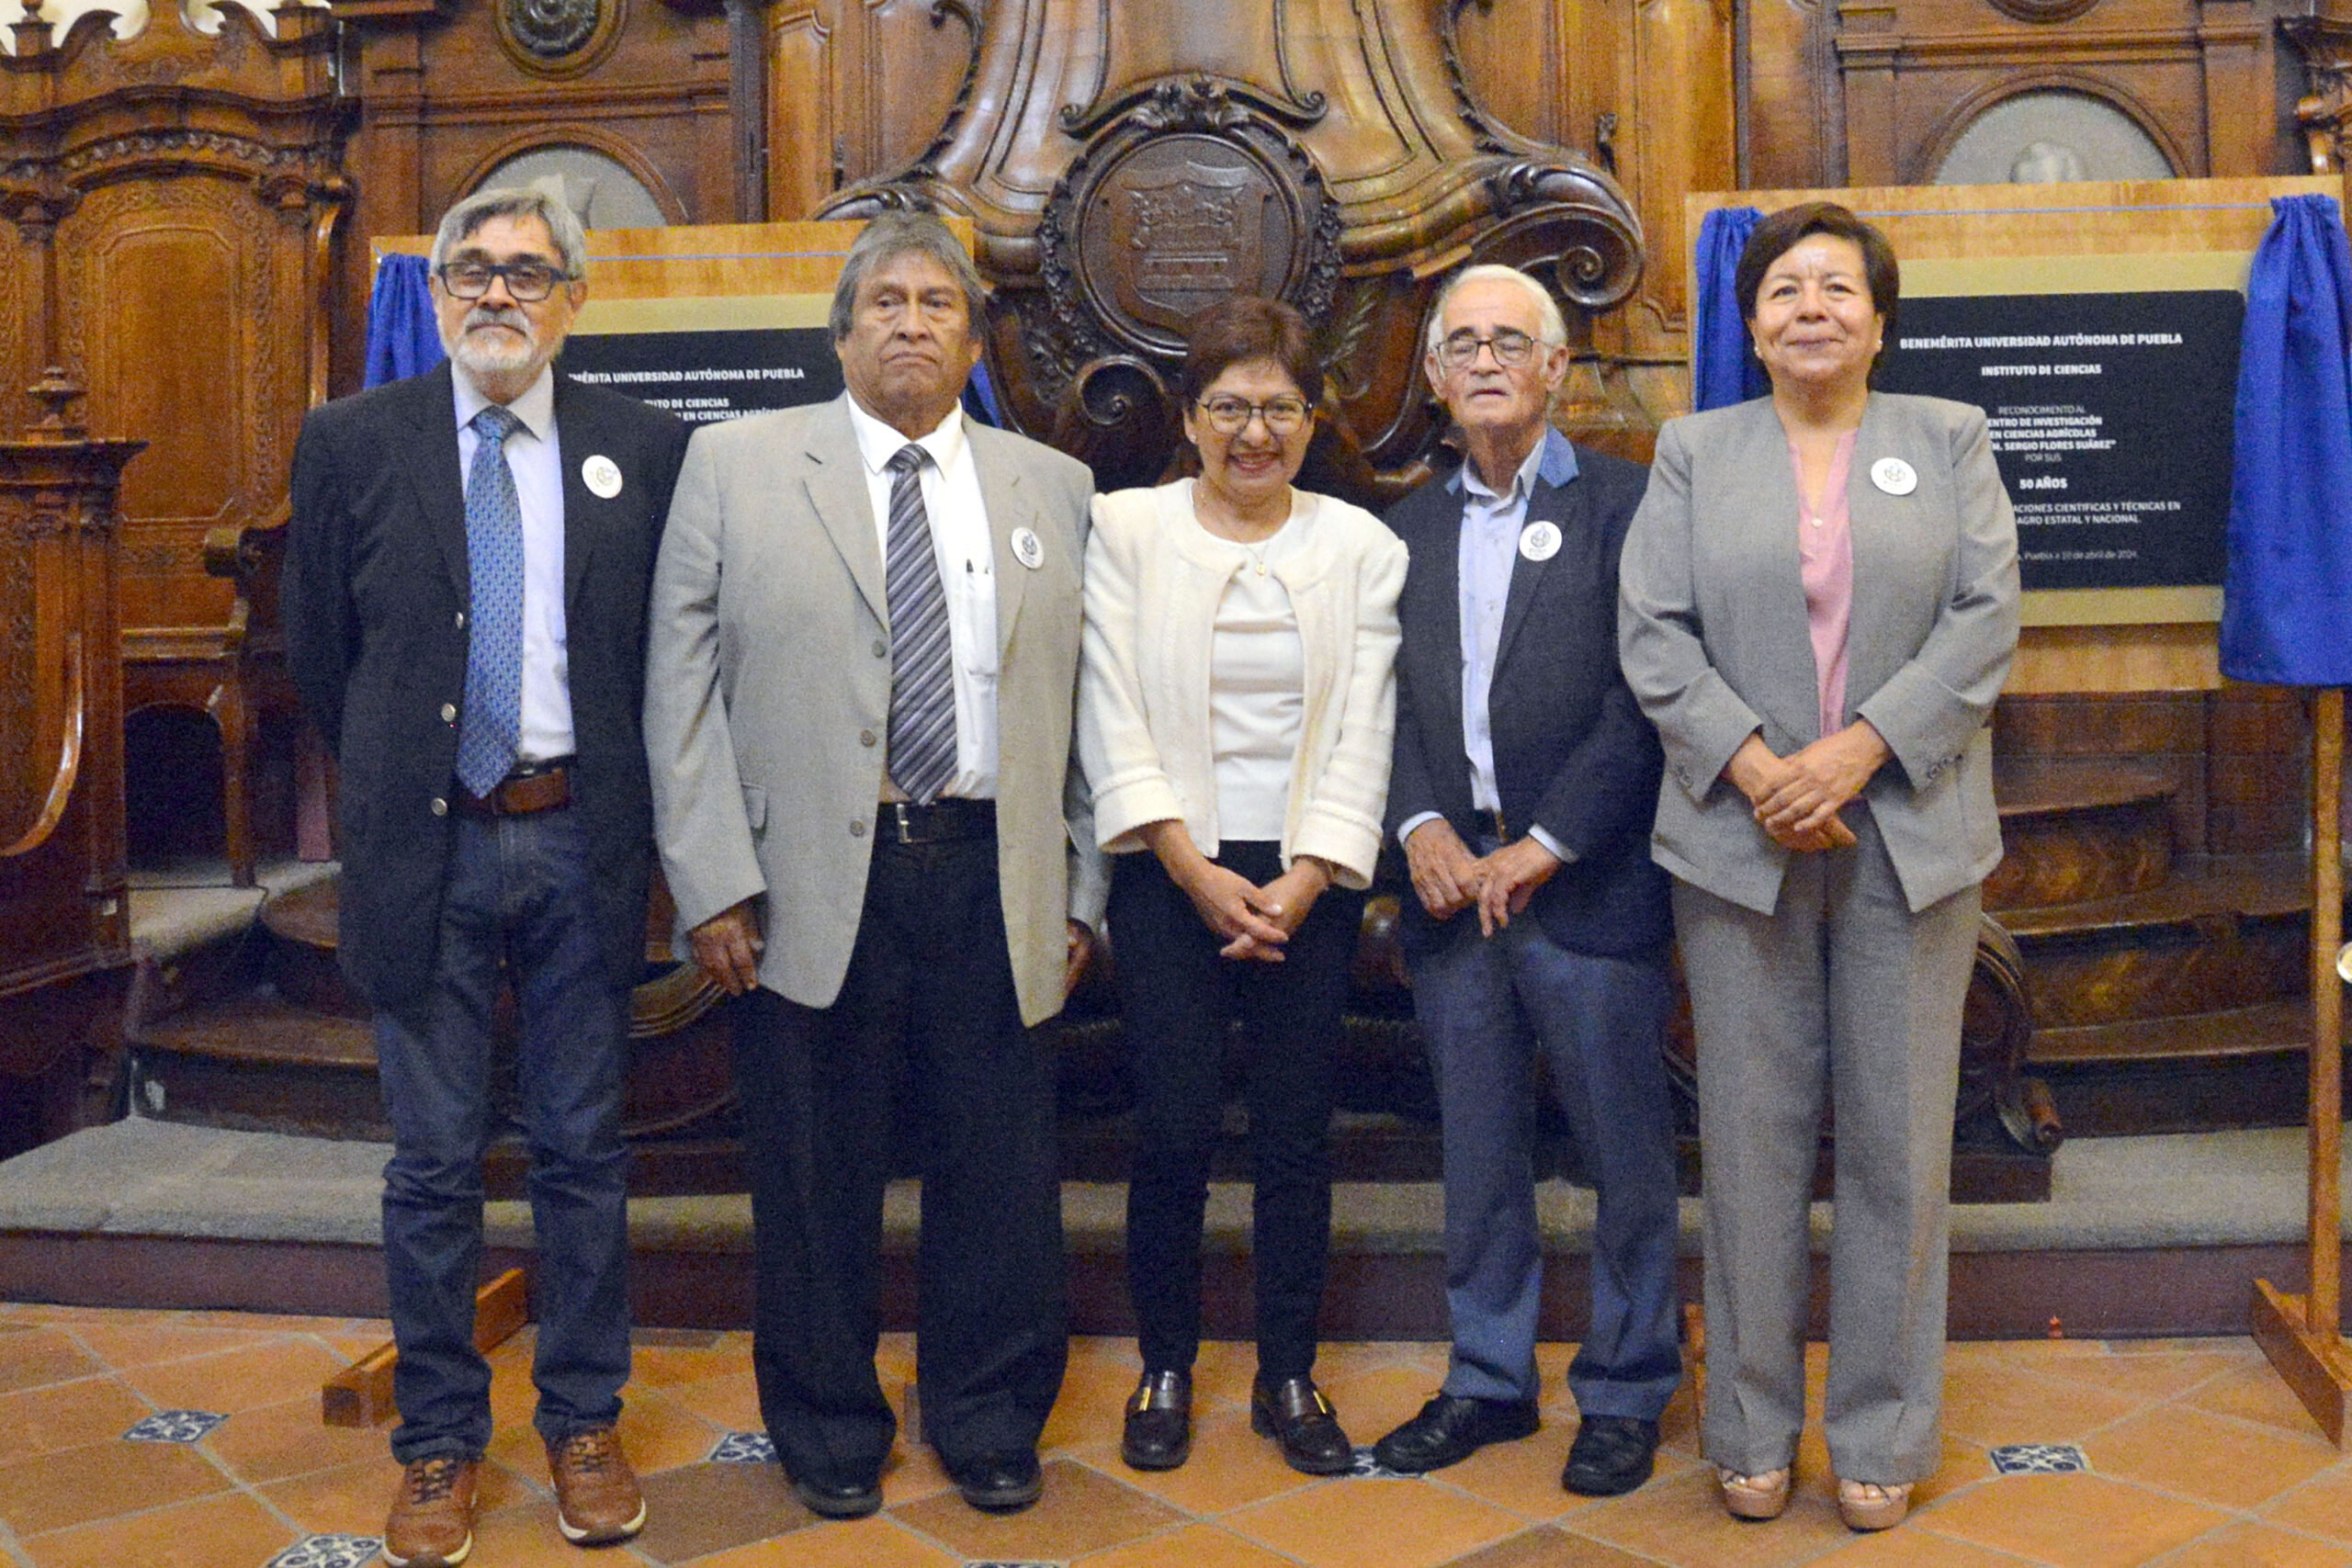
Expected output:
(1231, 416)
(528, 282)
(1459, 351)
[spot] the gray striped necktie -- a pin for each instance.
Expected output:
(923, 675)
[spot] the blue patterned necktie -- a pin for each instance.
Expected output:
(492, 724)
(923, 675)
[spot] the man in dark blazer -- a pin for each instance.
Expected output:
(1524, 781)
(465, 599)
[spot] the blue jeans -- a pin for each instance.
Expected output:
(1485, 1004)
(516, 906)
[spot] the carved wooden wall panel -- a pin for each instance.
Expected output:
(800, 113)
(176, 325)
(2199, 76)
(1648, 85)
(859, 89)
(447, 93)
(1792, 108)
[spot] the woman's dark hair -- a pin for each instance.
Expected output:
(1245, 327)
(1778, 234)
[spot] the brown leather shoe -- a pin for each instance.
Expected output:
(596, 1497)
(432, 1522)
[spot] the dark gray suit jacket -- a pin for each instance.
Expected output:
(376, 579)
(1717, 641)
(1572, 751)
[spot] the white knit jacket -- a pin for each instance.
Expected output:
(1154, 579)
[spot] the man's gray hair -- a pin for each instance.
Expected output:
(1553, 331)
(895, 234)
(464, 220)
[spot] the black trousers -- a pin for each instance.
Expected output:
(1178, 998)
(928, 1010)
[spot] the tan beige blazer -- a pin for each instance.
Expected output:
(768, 692)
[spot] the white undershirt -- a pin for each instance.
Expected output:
(1257, 689)
(535, 457)
(965, 551)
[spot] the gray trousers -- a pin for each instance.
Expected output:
(1487, 1004)
(1842, 989)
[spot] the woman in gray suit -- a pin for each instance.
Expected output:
(1819, 602)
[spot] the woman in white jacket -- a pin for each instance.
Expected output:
(1236, 703)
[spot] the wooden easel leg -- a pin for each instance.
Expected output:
(2304, 1335)
(361, 1394)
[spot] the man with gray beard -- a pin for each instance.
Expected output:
(465, 595)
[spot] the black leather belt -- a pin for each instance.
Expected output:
(904, 822)
(532, 787)
(1491, 825)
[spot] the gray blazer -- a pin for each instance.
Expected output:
(1716, 642)
(768, 689)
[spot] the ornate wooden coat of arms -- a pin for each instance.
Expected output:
(1328, 154)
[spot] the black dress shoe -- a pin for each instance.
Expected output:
(1612, 1454)
(999, 1483)
(1296, 1415)
(1450, 1428)
(1159, 1430)
(838, 1499)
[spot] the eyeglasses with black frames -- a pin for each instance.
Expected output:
(1284, 415)
(530, 282)
(1459, 350)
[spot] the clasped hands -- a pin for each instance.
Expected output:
(1448, 878)
(1797, 798)
(1255, 922)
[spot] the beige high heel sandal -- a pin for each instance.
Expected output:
(1867, 1505)
(1764, 1497)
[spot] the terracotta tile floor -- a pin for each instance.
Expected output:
(2194, 1455)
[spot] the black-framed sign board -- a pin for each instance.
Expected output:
(2112, 417)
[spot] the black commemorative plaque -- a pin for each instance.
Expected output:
(2111, 420)
(706, 375)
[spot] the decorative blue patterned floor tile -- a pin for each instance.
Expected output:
(173, 1427)
(2037, 1459)
(328, 1551)
(744, 1448)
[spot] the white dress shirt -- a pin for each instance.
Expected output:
(535, 457)
(966, 555)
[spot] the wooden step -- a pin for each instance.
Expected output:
(2262, 1029)
(257, 1062)
(2223, 932)
(301, 928)
(2072, 831)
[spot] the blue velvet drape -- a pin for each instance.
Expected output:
(1723, 371)
(2287, 606)
(403, 340)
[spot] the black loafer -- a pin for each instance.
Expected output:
(1159, 1430)
(1302, 1422)
(1613, 1454)
(1450, 1428)
(999, 1483)
(838, 1499)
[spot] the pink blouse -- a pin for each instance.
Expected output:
(1825, 557)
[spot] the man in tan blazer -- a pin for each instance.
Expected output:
(864, 645)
